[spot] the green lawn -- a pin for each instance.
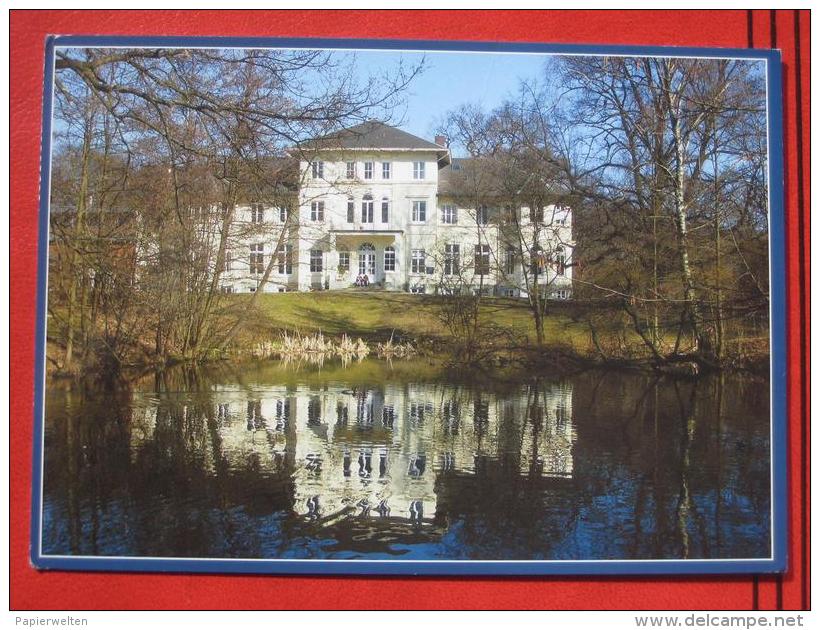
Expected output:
(377, 314)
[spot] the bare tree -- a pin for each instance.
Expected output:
(513, 170)
(197, 133)
(659, 133)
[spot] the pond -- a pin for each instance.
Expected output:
(405, 461)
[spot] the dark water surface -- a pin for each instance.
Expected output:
(373, 461)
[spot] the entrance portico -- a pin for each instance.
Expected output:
(371, 253)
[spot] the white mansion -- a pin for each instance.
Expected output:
(376, 201)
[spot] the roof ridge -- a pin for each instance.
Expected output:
(373, 134)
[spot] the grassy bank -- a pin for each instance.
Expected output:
(376, 316)
(506, 333)
(509, 330)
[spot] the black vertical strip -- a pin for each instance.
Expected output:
(755, 592)
(801, 214)
(750, 28)
(773, 27)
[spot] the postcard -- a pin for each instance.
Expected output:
(393, 307)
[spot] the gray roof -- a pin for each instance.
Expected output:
(373, 134)
(451, 179)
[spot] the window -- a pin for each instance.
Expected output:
(367, 209)
(386, 166)
(482, 215)
(317, 170)
(228, 261)
(344, 262)
(560, 262)
(389, 258)
(351, 210)
(418, 289)
(510, 214)
(419, 211)
(257, 260)
(317, 211)
(417, 258)
(198, 214)
(537, 261)
(451, 259)
(314, 411)
(482, 260)
(418, 170)
(451, 414)
(350, 170)
(561, 294)
(315, 260)
(388, 416)
(449, 214)
(509, 260)
(283, 255)
(284, 213)
(385, 210)
(537, 215)
(227, 288)
(257, 213)
(368, 170)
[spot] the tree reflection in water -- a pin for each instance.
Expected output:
(597, 465)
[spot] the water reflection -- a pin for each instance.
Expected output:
(323, 465)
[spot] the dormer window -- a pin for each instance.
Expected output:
(418, 170)
(317, 170)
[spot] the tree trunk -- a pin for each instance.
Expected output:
(75, 274)
(691, 305)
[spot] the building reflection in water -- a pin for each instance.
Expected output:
(596, 465)
(382, 452)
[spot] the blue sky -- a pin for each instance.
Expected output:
(452, 79)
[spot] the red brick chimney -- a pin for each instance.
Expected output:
(441, 141)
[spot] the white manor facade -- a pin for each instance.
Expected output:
(378, 203)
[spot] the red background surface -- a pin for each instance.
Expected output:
(30, 589)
